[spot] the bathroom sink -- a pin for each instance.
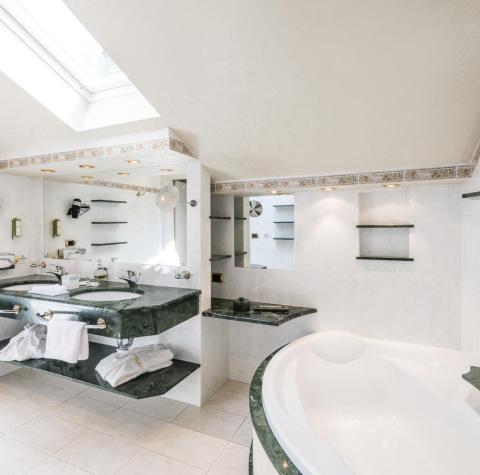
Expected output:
(27, 287)
(106, 296)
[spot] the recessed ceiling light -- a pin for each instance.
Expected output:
(47, 170)
(273, 192)
(166, 169)
(86, 177)
(328, 188)
(123, 173)
(87, 166)
(391, 185)
(133, 162)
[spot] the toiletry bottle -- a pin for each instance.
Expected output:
(101, 273)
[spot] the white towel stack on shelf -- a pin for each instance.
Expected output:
(28, 344)
(123, 366)
(67, 340)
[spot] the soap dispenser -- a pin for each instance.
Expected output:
(101, 272)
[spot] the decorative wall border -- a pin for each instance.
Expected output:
(157, 145)
(120, 186)
(383, 177)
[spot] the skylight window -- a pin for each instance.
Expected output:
(47, 51)
(65, 43)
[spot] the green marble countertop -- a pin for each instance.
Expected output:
(158, 309)
(473, 376)
(223, 308)
(276, 454)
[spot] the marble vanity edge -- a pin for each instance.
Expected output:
(473, 377)
(274, 451)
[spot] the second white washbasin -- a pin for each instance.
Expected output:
(106, 296)
(27, 287)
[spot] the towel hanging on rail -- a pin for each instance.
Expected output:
(28, 344)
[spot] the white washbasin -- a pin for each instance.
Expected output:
(106, 296)
(27, 287)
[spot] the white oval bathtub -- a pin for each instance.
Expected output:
(343, 405)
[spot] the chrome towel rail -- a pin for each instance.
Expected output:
(48, 314)
(14, 311)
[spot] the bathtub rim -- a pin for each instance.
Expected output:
(277, 456)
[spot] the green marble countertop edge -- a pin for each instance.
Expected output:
(473, 377)
(222, 309)
(276, 454)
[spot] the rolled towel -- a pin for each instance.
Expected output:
(123, 366)
(28, 344)
(50, 290)
(67, 340)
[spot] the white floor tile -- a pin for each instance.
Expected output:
(106, 396)
(83, 410)
(129, 425)
(48, 433)
(14, 414)
(17, 458)
(236, 387)
(15, 386)
(46, 397)
(98, 453)
(244, 435)
(50, 379)
(232, 461)
(224, 400)
(151, 463)
(188, 446)
(53, 466)
(159, 407)
(210, 421)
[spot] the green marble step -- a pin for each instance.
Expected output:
(147, 385)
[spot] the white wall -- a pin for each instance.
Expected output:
(20, 197)
(407, 301)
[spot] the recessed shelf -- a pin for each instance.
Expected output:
(284, 238)
(240, 219)
(219, 257)
(384, 258)
(475, 195)
(391, 226)
(220, 217)
(284, 222)
(109, 222)
(108, 201)
(146, 385)
(97, 244)
(240, 253)
(283, 206)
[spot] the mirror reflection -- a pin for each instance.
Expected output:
(137, 216)
(264, 231)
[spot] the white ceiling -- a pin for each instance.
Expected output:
(285, 87)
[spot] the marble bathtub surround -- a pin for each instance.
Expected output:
(158, 309)
(223, 309)
(272, 448)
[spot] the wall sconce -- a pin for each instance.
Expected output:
(56, 228)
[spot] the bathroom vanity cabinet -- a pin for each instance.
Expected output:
(156, 310)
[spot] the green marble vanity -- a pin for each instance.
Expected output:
(155, 311)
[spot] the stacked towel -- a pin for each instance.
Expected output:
(123, 366)
(66, 340)
(50, 290)
(28, 344)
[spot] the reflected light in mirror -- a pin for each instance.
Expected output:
(168, 256)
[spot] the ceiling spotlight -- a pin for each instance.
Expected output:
(133, 162)
(123, 173)
(47, 170)
(328, 188)
(273, 192)
(166, 169)
(86, 177)
(87, 166)
(390, 185)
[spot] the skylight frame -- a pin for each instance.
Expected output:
(13, 16)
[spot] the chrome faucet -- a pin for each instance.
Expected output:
(131, 278)
(58, 272)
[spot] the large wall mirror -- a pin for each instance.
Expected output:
(135, 213)
(264, 231)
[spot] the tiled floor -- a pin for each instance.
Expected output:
(51, 426)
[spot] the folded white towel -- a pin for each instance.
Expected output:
(50, 290)
(66, 340)
(28, 344)
(123, 366)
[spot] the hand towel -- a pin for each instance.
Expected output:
(123, 366)
(66, 340)
(50, 290)
(28, 344)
